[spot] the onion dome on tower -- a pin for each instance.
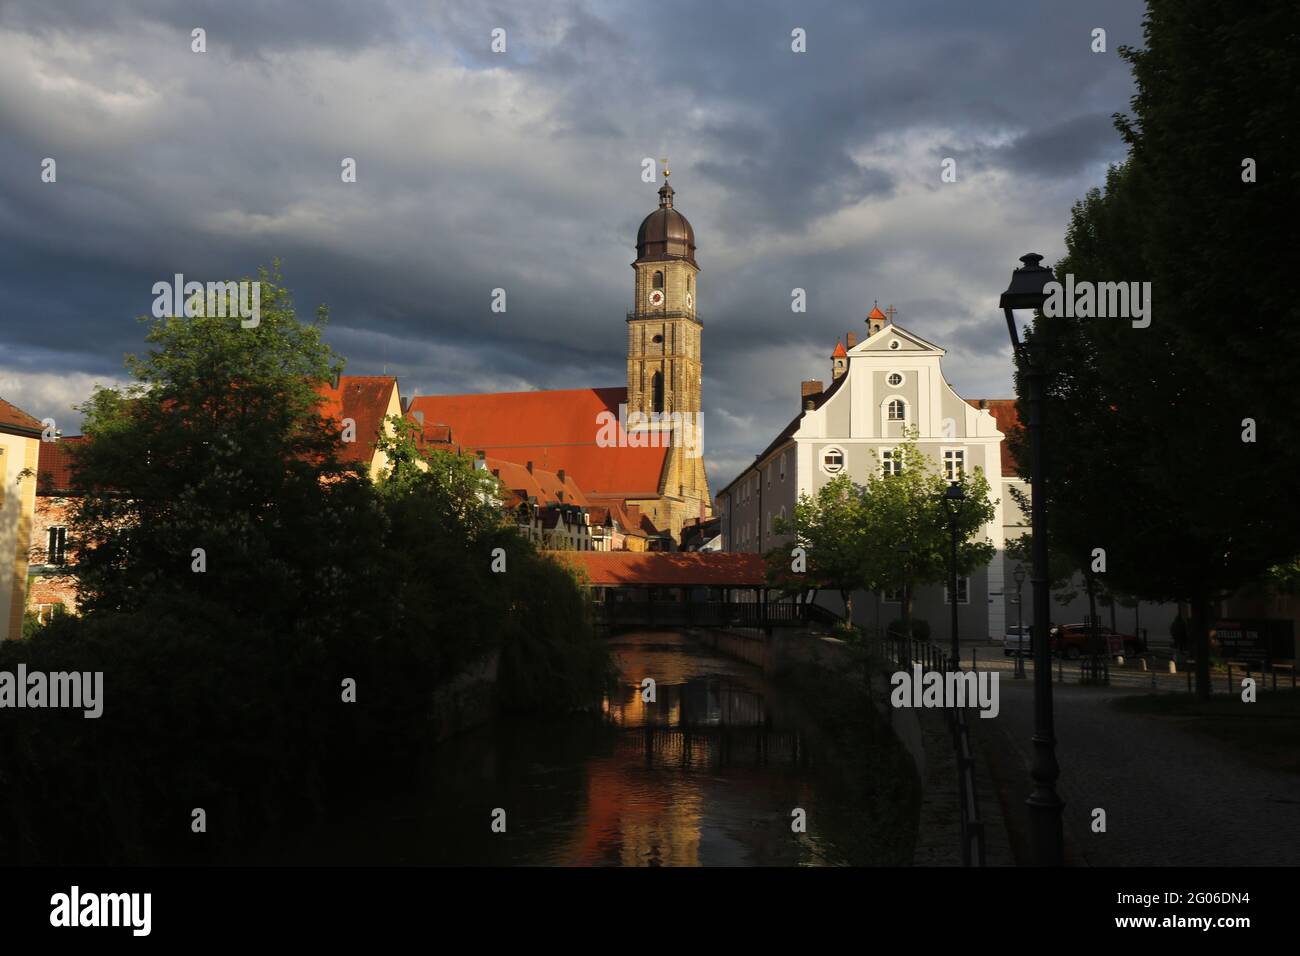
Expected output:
(666, 233)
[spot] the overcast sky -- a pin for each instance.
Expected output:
(522, 170)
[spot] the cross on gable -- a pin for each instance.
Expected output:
(891, 312)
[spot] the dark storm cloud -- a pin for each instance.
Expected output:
(522, 171)
(1062, 150)
(238, 29)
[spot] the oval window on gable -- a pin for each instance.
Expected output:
(833, 461)
(895, 344)
(895, 378)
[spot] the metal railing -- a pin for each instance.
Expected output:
(638, 314)
(931, 657)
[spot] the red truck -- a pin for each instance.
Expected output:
(1073, 641)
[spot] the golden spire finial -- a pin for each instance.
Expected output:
(667, 171)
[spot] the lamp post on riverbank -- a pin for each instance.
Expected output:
(1018, 575)
(953, 499)
(1045, 806)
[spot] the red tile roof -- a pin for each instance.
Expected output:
(875, 313)
(541, 484)
(1004, 414)
(364, 399)
(664, 568)
(13, 418)
(54, 465)
(839, 350)
(554, 430)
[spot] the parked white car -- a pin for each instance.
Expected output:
(1016, 643)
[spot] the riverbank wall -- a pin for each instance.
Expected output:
(781, 649)
(922, 734)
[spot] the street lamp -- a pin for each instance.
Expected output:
(953, 499)
(905, 551)
(1027, 292)
(1018, 575)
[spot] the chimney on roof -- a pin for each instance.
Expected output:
(406, 404)
(851, 339)
(808, 392)
(529, 466)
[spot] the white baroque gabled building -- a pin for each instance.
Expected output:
(890, 381)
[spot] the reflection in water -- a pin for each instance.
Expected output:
(707, 773)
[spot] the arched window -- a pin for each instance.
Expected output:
(688, 283)
(658, 386)
(659, 279)
(897, 410)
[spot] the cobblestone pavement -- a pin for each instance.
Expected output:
(1171, 798)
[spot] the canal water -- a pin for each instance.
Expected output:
(709, 773)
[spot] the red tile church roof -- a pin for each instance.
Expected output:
(554, 430)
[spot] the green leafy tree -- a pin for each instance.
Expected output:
(904, 519)
(827, 526)
(215, 477)
(1130, 409)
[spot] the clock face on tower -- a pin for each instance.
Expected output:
(690, 300)
(657, 297)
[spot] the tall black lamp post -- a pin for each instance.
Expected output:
(1018, 575)
(1045, 806)
(953, 499)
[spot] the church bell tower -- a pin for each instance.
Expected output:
(664, 371)
(663, 345)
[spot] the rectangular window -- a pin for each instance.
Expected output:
(954, 463)
(890, 463)
(56, 545)
(783, 454)
(963, 592)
